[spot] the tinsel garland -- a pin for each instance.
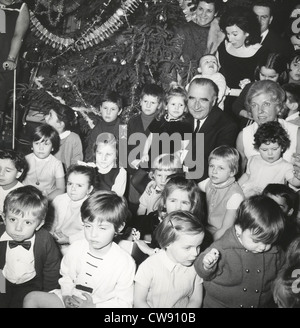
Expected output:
(92, 37)
(95, 35)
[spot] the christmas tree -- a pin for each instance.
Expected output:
(77, 50)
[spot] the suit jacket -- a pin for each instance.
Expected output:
(218, 129)
(47, 259)
(274, 43)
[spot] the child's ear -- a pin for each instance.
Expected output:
(238, 230)
(19, 174)
(121, 228)
(294, 106)
(40, 225)
(90, 189)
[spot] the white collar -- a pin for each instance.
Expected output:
(7, 237)
(65, 134)
(292, 117)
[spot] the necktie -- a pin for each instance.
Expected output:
(25, 244)
(197, 126)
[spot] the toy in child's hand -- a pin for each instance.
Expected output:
(135, 234)
(210, 258)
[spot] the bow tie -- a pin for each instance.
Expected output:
(25, 244)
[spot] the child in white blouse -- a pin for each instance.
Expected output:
(45, 171)
(95, 271)
(168, 278)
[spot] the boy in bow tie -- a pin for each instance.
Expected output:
(29, 257)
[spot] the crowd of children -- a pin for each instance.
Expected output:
(83, 228)
(194, 238)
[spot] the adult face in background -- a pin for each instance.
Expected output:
(265, 100)
(264, 17)
(202, 96)
(206, 12)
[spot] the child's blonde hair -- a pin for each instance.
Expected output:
(228, 154)
(166, 162)
(106, 138)
(26, 199)
(176, 224)
(175, 91)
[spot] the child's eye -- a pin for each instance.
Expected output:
(28, 222)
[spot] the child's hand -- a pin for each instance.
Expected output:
(135, 163)
(81, 303)
(243, 83)
(69, 302)
(135, 234)
(211, 258)
(142, 245)
(61, 238)
(151, 185)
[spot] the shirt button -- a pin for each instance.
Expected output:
(241, 306)
(258, 271)
(247, 270)
(252, 307)
(246, 250)
(256, 291)
(244, 289)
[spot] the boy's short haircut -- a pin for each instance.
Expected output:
(105, 206)
(271, 132)
(47, 132)
(114, 97)
(26, 199)
(279, 189)
(263, 217)
(294, 90)
(167, 162)
(18, 159)
(153, 90)
(228, 154)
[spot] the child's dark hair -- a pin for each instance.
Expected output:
(114, 97)
(283, 190)
(294, 90)
(105, 206)
(271, 132)
(152, 90)
(26, 199)
(65, 114)
(88, 171)
(293, 253)
(18, 159)
(178, 181)
(263, 217)
(45, 132)
(276, 62)
(175, 224)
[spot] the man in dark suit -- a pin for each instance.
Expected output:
(271, 40)
(211, 126)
